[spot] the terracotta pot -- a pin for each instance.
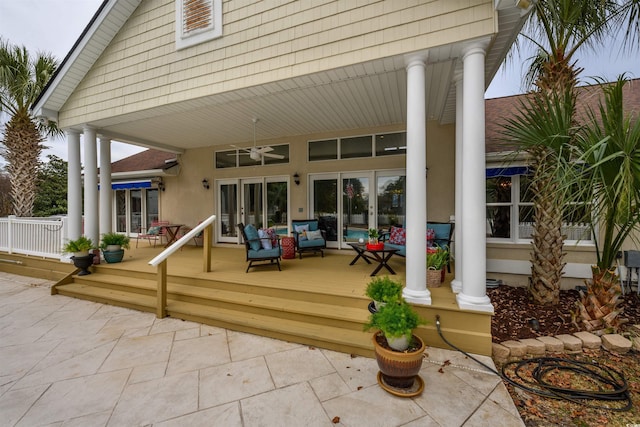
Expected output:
(399, 369)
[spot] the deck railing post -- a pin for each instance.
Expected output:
(161, 304)
(206, 248)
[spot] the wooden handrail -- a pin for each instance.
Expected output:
(161, 260)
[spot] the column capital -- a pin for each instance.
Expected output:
(70, 131)
(418, 58)
(88, 128)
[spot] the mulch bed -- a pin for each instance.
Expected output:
(517, 317)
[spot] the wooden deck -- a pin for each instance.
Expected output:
(316, 301)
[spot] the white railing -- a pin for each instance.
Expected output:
(33, 236)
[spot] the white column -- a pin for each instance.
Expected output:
(74, 185)
(456, 283)
(474, 249)
(416, 289)
(106, 195)
(91, 185)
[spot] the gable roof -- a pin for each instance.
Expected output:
(497, 110)
(147, 160)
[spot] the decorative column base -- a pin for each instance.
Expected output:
(467, 302)
(456, 286)
(420, 297)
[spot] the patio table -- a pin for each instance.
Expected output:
(381, 256)
(172, 233)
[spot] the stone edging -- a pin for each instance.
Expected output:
(535, 347)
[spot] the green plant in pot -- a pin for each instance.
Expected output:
(382, 290)
(113, 246)
(78, 247)
(398, 351)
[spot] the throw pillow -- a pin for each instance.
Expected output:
(273, 236)
(314, 235)
(252, 236)
(398, 236)
(265, 239)
(302, 231)
(155, 230)
(431, 235)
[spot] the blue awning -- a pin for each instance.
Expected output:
(130, 185)
(509, 171)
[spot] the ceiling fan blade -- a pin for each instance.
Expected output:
(273, 156)
(265, 149)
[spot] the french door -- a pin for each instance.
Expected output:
(263, 202)
(348, 204)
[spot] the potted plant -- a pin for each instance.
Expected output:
(81, 258)
(437, 259)
(382, 290)
(398, 351)
(373, 240)
(113, 246)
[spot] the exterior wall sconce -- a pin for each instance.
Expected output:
(205, 183)
(296, 178)
(159, 183)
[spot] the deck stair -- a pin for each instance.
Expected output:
(310, 317)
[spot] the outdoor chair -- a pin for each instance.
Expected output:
(308, 236)
(156, 232)
(260, 249)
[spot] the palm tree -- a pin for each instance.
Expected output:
(22, 78)
(610, 147)
(559, 29)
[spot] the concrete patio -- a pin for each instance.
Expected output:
(70, 362)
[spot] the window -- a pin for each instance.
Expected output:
(240, 157)
(386, 144)
(197, 21)
(510, 208)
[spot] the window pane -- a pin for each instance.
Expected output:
(277, 207)
(323, 150)
(121, 211)
(391, 143)
(525, 228)
(355, 208)
(499, 221)
(135, 199)
(282, 150)
(525, 189)
(499, 189)
(391, 205)
(359, 146)
(152, 206)
(226, 159)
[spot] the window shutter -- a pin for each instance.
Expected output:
(196, 15)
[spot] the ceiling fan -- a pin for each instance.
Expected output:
(257, 153)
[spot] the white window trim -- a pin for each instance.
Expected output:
(186, 40)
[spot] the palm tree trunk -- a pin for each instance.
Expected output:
(599, 306)
(547, 240)
(23, 145)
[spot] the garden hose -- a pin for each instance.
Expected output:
(611, 384)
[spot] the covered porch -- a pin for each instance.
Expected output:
(317, 301)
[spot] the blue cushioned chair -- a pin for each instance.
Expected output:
(443, 236)
(255, 250)
(308, 236)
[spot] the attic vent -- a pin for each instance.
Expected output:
(198, 14)
(197, 21)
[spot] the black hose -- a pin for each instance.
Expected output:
(612, 386)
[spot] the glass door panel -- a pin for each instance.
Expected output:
(121, 212)
(152, 206)
(391, 200)
(252, 211)
(355, 208)
(135, 196)
(325, 206)
(228, 212)
(277, 206)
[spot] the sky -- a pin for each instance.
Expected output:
(54, 25)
